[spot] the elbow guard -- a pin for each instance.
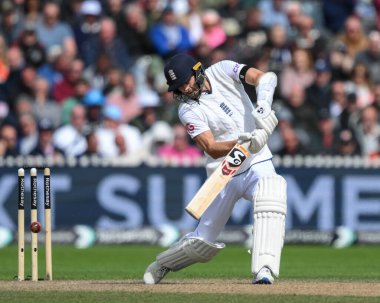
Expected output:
(265, 88)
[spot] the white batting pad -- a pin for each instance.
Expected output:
(269, 211)
(187, 252)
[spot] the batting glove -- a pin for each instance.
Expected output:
(258, 138)
(265, 118)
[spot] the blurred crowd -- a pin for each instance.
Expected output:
(85, 77)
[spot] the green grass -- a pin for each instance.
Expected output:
(95, 297)
(129, 262)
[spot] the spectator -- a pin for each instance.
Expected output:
(36, 42)
(294, 14)
(361, 84)
(8, 140)
(273, 13)
(285, 120)
(254, 34)
(32, 50)
(52, 32)
(371, 56)
(278, 49)
(91, 143)
(303, 114)
(180, 151)
(16, 63)
(23, 85)
(338, 100)
(45, 145)
(126, 99)
(10, 22)
(300, 71)
(168, 36)
(152, 11)
(96, 74)
(23, 105)
(70, 11)
(114, 10)
(115, 138)
(376, 4)
(81, 87)
(232, 9)
(94, 101)
(15, 58)
(341, 62)
(149, 102)
(4, 67)
(347, 144)
(292, 145)
(169, 108)
(107, 42)
(152, 139)
(43, 106)
(134, 31)
(327, 138)
(192, 20)
(32, 10)
(28, 133)
(310, 38)
(376, 101)
(69, 139)
(56, 66)
(353, 37)
(368, 131)
(319, 92)
(335, 13)
(350, 116)
(113, 81)
(213, 32)
(87, 27)
(66, 87)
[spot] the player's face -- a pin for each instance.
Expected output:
(189, 88)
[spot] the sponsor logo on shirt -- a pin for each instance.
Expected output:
(226, 109)
(190, 128)
(236, 68)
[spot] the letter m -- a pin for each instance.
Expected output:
(319, 200)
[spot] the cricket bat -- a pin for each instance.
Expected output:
(218, 180)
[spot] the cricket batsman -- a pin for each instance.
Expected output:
(217, 112)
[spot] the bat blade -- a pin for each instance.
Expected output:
(218, 180)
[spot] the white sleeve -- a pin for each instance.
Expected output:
(194, 121)
(232, 69)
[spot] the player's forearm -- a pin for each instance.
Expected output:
(265, 84)
(220, 149)
(215, 149)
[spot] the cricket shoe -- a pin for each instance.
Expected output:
(155, 273)
(264, 276)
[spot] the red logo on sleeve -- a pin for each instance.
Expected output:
(190, 128)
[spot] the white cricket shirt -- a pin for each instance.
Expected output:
(226, 112)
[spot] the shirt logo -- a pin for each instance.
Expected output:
(226, 109)
(190, 128)
(236, 68)
(172, 74)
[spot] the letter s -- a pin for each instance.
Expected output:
(120, 206)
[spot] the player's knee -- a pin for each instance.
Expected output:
(270, 195)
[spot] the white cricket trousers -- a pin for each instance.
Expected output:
(241, 186)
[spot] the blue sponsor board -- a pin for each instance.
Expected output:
(135, 197)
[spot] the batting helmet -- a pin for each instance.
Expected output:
(178, 70)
